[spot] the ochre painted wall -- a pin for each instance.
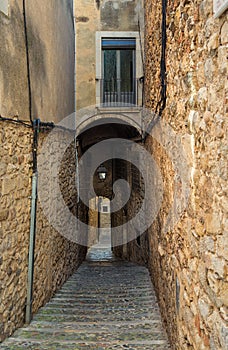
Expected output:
(109, 16)
(50, 29)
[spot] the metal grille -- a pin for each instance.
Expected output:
(114, 96)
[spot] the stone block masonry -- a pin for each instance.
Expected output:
(189, 263)
(15, 180)
(56, 258)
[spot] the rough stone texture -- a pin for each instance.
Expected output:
(136, 250)
(56, 258)
(188, 261)
(192, 254)
(15, 185)
(106, 304)
(50, 29)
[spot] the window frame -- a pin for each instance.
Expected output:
(118, 48)
(99, 64)
(105, 209)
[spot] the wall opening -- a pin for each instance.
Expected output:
(100, 223)
(119, 69)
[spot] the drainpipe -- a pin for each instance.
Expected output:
(28, 315)
(76, 142)
(75, 61)
(99, 217)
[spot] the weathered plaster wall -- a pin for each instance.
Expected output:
(87, 23)
(51, 53)
(111, 15)
(55, 257)
(119, 15)
(194, 253)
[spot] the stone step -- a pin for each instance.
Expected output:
(91, 335)
(90, 318)
(104, 293)
(98, 345)
(104, 305)
(101, 300)
(109, 308)
(93, 310)
(84, 326)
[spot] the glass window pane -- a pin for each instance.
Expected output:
(126, 70)
(110, 70)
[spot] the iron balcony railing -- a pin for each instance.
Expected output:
(117, 92)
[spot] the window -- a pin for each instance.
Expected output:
(105, 209)
(4, 4)
(118, 71)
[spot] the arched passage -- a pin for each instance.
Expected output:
(118, 167)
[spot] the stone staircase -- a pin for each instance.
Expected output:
(106, 304)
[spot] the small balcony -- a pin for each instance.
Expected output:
(116, 93)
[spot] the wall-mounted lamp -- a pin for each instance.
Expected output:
(102, 172)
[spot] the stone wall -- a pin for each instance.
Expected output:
(93, 221)
(188, 260)
(15, 179)
(56, 258)
(136, 250)
(51, 52)
(188, 263)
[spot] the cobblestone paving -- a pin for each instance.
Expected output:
(106, 304)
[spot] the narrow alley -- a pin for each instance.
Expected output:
(106, 304)
(113, 174)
